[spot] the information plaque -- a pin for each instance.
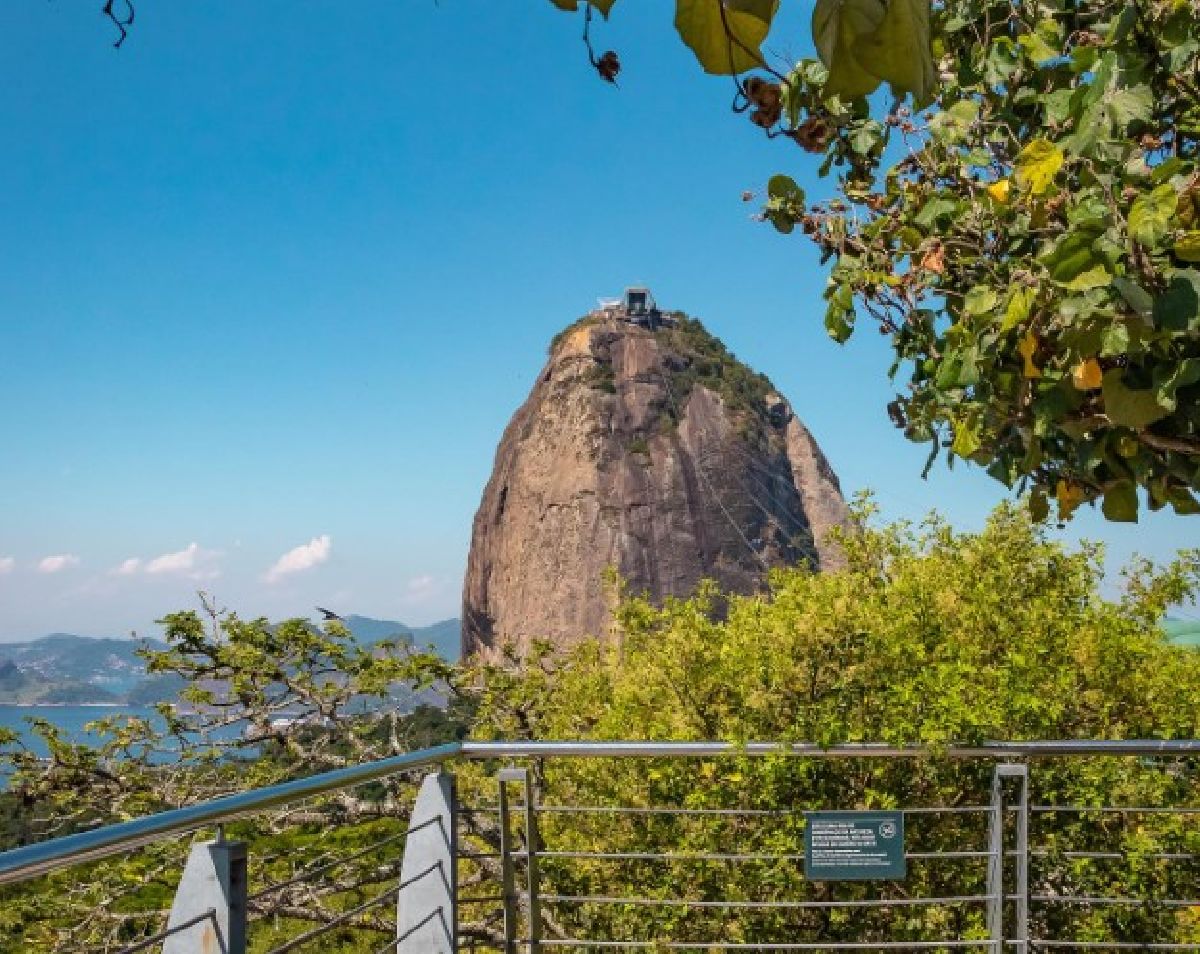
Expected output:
(854, 846)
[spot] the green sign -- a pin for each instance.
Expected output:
(854, 846)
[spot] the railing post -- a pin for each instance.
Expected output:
(211, 901)
(508, 886)
(1021, 868)
(995, 870)
(534, 910)
(532, 846)
(427, 903)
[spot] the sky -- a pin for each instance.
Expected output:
(275, 275)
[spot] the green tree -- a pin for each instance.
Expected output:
(928, 636)
(1021, 215)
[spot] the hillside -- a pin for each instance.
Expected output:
(65, 669)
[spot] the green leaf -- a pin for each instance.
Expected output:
(1127, 407)
(1073, 255)
(1187, 372)
(1121, 503)
(980, 300)
(966, 439)
(1098, 276)
(837, 26)
(1150, 217)
(1136, 297)
(1115, 339)
(1037, 164)
(700, 26)
(900, 50)
(1178, 308)
(839, 314)
(1124, 107)
(1020, 303)
(1036, 48)
(785, 188)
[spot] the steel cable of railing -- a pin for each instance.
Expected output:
(162, 935)
(345, 916)
(338, 862)
(725, 856)
(768, 946)
(765, 905)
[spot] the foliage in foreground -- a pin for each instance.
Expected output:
(1026, 229)
(927, 636)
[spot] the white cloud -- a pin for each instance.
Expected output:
(421, 590)
(420, 587)
(193, 562)
(181, 561)
(300, 558)
(57, 562)
(7, 565)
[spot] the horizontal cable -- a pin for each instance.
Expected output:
(1114, 809)
(723, 856)
(141, 945)
(661, 810)
(1138, 945)
(1115, 855)
(750, 812)
(685, 903)
(764, 946)
(1067, 899)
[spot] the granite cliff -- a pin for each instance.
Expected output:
(656, 453)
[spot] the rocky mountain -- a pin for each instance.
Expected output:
(654, 452)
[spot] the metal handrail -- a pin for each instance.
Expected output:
(45, 857)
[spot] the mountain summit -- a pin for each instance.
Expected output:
(644, 446)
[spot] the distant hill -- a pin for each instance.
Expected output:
(443, 637)
(65, 669)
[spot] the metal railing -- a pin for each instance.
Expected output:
(535, 861)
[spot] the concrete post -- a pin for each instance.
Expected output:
(426, 911)
(214, 880)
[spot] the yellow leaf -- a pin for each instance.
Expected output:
(1187, 246)
(999, 191)
(701, 26)
(1037, 165)
(1087, 375)
(1069, 495)
(1026, 348)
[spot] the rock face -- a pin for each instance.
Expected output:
(654, 453)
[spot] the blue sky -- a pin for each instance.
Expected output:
(274, 276)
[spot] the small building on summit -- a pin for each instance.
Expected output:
(637, 306)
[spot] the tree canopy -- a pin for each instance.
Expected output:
(1019, 211)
